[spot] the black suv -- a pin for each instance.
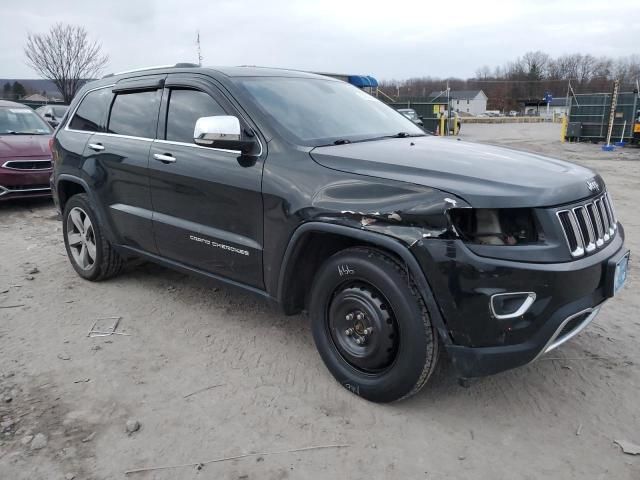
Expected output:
(312, 193)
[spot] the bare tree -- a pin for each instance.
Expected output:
(483, 72)
(536, 64)
(627, 69)
(66, 56)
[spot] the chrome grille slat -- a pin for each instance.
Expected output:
(605, 216)
(572, 232)
(588, 226)
(613, 210)
(28, 165)
(595, 220)
(612, 220)
(603, 220)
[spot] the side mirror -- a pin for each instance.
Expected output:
(48, 115)
(223, 131)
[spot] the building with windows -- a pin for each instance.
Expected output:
(473, 102)
(538, 107)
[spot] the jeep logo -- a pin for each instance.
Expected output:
(593, 186)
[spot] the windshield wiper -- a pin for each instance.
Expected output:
(13, 132)
(404, 135)
(397, 135)
(344, 141)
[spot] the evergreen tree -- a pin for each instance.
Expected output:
(18, 90)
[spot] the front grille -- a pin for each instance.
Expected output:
(588, 226)
(44, 164)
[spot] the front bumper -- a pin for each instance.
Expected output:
(24, 183)
(481, 361)
(568, 297)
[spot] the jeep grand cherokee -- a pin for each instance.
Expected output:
(312, 193)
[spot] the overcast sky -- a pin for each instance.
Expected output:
(390, 39)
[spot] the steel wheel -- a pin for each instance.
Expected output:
(371, 326)
(363, 328)
(81, 238)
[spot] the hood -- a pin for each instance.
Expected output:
(24, 146)
(483, 175)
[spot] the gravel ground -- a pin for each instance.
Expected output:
(69, 403)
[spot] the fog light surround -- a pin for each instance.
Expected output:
(511, 305)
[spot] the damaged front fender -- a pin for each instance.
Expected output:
(410, 213)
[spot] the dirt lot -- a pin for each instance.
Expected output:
(557, 418)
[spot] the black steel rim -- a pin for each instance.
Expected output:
(363, 328)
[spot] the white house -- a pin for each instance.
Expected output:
(473, 102)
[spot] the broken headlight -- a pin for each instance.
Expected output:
(491, 226)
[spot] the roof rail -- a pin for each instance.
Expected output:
(154, 67)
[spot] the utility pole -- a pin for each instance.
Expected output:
(199, 49)
(448, 108)
(612, 113)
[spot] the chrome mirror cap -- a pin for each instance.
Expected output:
(219, 128)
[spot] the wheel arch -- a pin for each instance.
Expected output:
(331, 238)
(69, 185)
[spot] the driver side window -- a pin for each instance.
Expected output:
(185, 107)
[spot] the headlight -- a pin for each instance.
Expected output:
(489, 226)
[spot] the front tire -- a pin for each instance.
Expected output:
(371, 325)
(90, 253)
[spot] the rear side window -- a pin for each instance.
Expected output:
(135, 114)
(185, 107)
(92, 111)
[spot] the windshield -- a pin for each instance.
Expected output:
(411, 114)
(317, 112)
(59, 111)
(21, 121)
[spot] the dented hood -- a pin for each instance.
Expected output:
(485, 176)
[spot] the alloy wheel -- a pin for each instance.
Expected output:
(81, 238)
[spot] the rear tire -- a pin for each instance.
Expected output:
(371, 325)
(90, 253)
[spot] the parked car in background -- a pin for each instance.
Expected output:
(52, 113)
(513, 113)
(412, 115)
(25, 156)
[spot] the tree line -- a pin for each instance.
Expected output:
(13, 90)
(529, 77)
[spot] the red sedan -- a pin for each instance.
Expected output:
(25, 156)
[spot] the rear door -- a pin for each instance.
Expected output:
(119, 160)
(207, 202)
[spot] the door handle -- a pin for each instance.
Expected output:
(96, 146)
(164, 158)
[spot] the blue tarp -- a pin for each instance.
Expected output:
(362, 81)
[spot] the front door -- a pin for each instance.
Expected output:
(207, 202)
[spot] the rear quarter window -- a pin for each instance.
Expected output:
(135, 114)
(91, 113)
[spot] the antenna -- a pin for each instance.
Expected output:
(199, 49)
